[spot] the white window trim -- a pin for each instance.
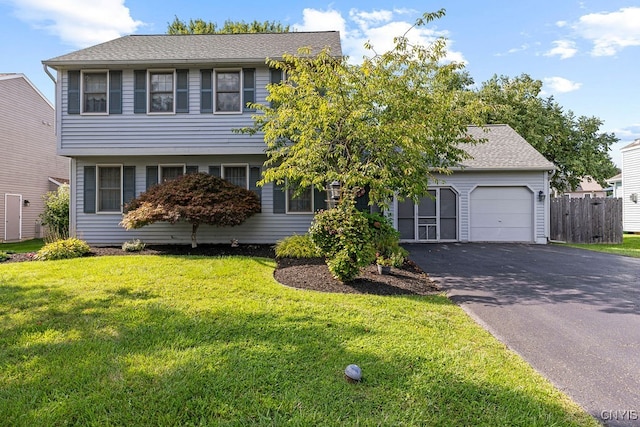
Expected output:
(89, 113)
(108, 165)
(215, 90)
(170, 165)
(288, 212)
(161, 70)
(236, 165)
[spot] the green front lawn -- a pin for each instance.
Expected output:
(630, 246)
(32, 245)
(151, 340)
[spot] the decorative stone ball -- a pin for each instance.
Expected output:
(353, 373)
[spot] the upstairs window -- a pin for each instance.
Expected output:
(161, 91)
(95, 90)
(228, 96)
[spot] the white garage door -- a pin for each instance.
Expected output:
(501, 214)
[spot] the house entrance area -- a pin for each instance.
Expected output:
(12, 214)
(433, 219)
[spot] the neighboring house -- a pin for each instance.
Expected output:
(142, 109)
(29, 166)
(588, 187)
(631, 193)
(615, 186)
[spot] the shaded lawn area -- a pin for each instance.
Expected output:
(32, 245)
(630, 246)
(178, 340)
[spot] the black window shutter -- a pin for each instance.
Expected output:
(192, 169)
(254, 177)
(319, 199)
(115, 92)
(362, 202)
(215, 171)
(73, 92)
(128, 184)
(89, 189)
(152, 176)
(140, 91)
(249, 89)
(279, 199)
(206, 91)
(182, 91)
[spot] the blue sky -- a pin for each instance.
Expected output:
(587, 53)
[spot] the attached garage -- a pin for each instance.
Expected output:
(501, 194)
(501, 214)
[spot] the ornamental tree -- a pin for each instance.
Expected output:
(196, 198)
(389, 124)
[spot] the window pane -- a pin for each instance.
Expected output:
(161, 92)
(236, 175)
(447, 203)
(302, 203)
(95, 92)
(228, 101)
(168, 173)
(228, 82)
(109, 198)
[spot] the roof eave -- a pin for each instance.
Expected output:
(505, 169)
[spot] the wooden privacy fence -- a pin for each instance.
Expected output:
(586, 220)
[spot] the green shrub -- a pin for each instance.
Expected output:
(4, 256)
(56, 214)
(342, 234)
(297, 246)
(135, 246)
(385, 240)
(63, 249)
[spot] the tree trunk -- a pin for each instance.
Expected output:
(194, 230)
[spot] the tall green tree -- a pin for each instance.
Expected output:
(574, 144)
(199, 26)
(388, 124)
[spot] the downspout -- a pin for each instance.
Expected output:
(547, 206)
(46, 70)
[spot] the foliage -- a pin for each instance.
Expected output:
(297, 246)
(135, 246)
(199, 26)
(342, 234)
(63, 249)
(56, 213)
(574, 144)
(4, 256)
(197, 198)
(388, 124)
(386, 241)
(170, 340)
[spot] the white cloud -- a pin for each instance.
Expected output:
(561, 85)
(379, 27)
(561, 24)
(78, 22)
(563, 48)
(610, 32)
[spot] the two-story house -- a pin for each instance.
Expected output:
(29, 166)
(140, 109)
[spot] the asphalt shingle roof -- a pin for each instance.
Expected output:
(504, 149)
(201, 48)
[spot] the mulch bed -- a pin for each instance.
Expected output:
(308, 274)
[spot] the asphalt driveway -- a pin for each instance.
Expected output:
(573, 314)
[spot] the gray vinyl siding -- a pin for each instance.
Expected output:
(163, 134)
(28, 142)
(104, 230)
(465, 182)
(631, 185)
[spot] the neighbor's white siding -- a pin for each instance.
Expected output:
(161, 134)
(28, 143)
(465, 182)
(631, 185)
(104, 229)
